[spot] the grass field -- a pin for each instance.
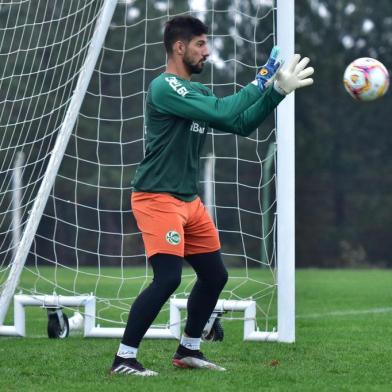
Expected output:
(343, 343)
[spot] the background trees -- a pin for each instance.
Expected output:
(343, 160)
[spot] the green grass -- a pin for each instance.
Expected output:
(343, 343)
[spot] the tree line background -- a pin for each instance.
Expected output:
(343, 160)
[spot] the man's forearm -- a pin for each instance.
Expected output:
(246, 122)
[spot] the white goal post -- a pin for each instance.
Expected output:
(58, 158)
(286, 185)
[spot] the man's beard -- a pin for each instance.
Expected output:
(193, 68)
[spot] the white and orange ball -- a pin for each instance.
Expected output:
(366, 79)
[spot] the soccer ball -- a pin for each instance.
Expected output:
(366, 79)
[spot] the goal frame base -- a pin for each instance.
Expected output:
(91, 329)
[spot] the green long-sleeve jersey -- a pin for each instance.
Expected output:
(178, 115)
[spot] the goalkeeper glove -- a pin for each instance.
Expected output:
(294, 76)
(267, 72)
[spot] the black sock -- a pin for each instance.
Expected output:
(118, 360)
(185, 351)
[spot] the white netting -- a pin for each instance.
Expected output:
(87, 241)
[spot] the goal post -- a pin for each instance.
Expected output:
(286, 185)
(72, 101)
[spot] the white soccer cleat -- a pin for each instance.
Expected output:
(194, 360)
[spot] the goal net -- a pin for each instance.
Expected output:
(73, 81)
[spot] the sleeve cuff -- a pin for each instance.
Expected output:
(278, 89)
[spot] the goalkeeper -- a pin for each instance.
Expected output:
(169, 213)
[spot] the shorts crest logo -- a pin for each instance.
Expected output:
(173, 238)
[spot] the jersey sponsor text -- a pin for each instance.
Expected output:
(176, 85)
(196, 127)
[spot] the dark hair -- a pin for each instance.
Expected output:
(182, 28)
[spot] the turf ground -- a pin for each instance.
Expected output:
(343, 343)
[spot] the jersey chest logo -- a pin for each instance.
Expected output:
(176, 85)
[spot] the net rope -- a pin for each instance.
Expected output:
(88, 241)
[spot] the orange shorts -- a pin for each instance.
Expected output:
(173, 226)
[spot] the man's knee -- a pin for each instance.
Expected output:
(169, 283)
(224, 277)
(215, 279)
(219, 279)
(167, 272)
(210, 269)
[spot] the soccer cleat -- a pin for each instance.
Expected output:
(193, 359)
(130, 366)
